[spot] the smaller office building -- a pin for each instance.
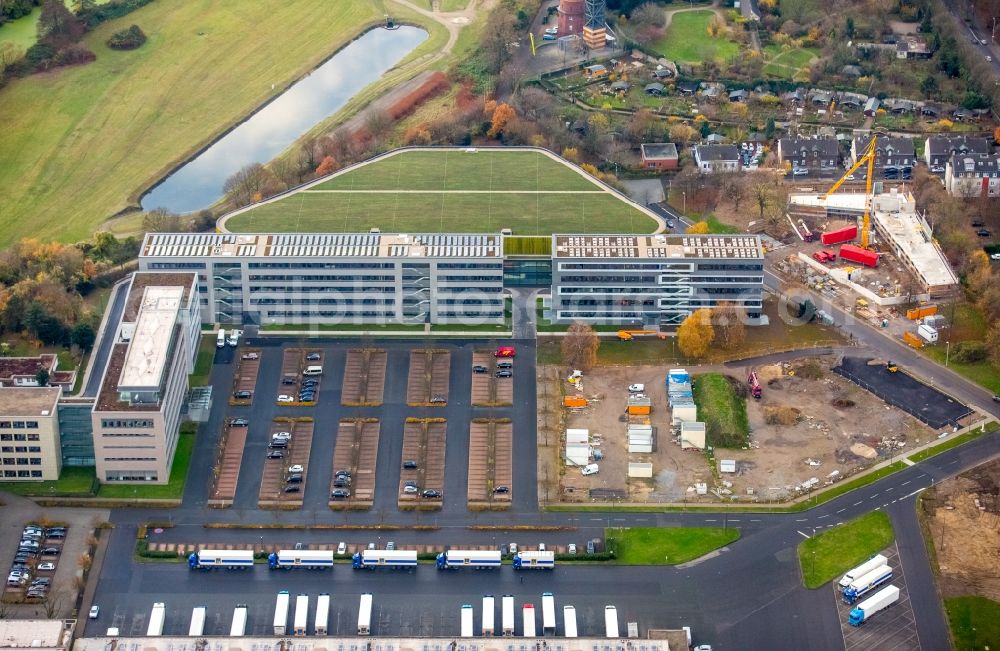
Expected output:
(29, 434)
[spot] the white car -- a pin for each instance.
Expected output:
(46, 566)
(281, 435)
(799, 171)
(636, 388)
(995, 256)
(296, 468)
(552, 30)
(284, 397)
(989, 59)
(342, 548)
(541, 547)
(590, 469)
(94, 612)
(513, 548)
(571, 549)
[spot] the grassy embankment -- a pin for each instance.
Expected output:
(828, 555)
(652, 546)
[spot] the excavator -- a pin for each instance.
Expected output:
(629, 335)
(866, 158)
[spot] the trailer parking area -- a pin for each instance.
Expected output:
(277, 488)
(364, 377)
(488, 390)
(245, 378)
(490, 464)
(356, 451)
(427, 383)
(423, 464)
(893, 628)
(229, 457)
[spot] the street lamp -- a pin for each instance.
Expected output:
(684, 195)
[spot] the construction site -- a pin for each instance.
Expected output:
(635, 434)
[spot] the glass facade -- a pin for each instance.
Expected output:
(76, 435)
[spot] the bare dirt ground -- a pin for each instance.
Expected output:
(819, 439)
(963, 516)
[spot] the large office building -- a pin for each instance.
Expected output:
(346, 278)
(653, 280)
(136, 414)
(29, 434)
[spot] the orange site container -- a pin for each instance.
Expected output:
(921, 312)
(913, 340)
(574, 401)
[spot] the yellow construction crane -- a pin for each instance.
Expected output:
(867, 157)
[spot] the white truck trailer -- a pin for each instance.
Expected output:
(548, 614)
(610, 622)
(875, 561)
(467, 620)
(322, 613)
(507, 608)
(156, 618)
(301, 615)
(569, 621)
(489, 615)
(867, 583)
(878, 601)
(533, 560)
(197, 627)
(528, 613)
(365, 615)
(239, 625)
(281, 613)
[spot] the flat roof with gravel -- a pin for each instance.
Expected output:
(28, 401)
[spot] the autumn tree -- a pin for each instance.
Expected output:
(160, 220)
(579, 346)
(698, 228)
(326, 166)
(696, 334)
(733, 190)
(762, 197)
(996, 135)
(58, 27)
(502, 115)
(249, 184)
(683, 133)
(728, 322)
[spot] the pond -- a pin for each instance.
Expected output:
(198, 183)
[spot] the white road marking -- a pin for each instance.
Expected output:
(803, 520)
(804, 535)
(841, 510)
(888, 489)
(856, 503)
(711, 520)
(823, 516)
(906, 482)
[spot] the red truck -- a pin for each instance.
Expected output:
(825, 255)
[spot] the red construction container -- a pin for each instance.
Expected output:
(842, 235)
(859, 255)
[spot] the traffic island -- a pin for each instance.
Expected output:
(673, 546)
(828, 555)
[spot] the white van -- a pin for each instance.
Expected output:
(590, 469)
(313, 370)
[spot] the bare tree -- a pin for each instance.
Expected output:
(579, 346)
(250, 184)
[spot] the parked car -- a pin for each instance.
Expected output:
(239, 422)
(46, 567)
(438, 400)
(505, 373)
(94, 612)
(982, 232)
(390, 546)
(280, 444)
(342, 548)
(294, 478)
(505, 363)
(251, 356)
(243, 395)
(340, 494)
(293, 488)
(571, 549)
(313, 357)
(296, 468)
(344, 472)
(289, 379)
(284, 397)
(281, 435)
(410, 490)
(636, 388)
(50, 551)
(275, 454)
(501, 490)
(548, 37)
(479, 368)
(513, 548)
(409, 464)
(430, 492)
(590, 469)
(341, 482)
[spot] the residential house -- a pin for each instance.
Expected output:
(658, 156)
(939, 149)
(894, 157)
(656, 88)
(871, 106)
(930, 110)
(687, 88)
(812, 154)
(595, 71)
(712, 90)
(716, 158)
(973, 175)
(963, 114)
(739, 95)
(912, 47)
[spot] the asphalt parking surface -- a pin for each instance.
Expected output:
(892, 629)
(904, 392)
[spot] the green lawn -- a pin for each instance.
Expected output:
(724, 413)
(174, 489)
(788, 63)
(967, 324)
(73, 482)
(403, 193)
(687, 40)
(975, 623)
(652, 546)
(203, 363)
(953, 442)
(79, 143)
(828, 555)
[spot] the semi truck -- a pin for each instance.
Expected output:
(372, 558)
(220, 339)
(239, 625)
(610, 622)
(456, 558)
(197, 627)
(155, 628)
(467, 620)
(210, 559)
(548, 614)
(569, 621)
(875, 561)
(281, 613)
(489, 615)
(301, 615)
(528, 614)
(866, 583)
(878, 601)
(507, 612)
(365, 614)
(287, 559)
(322, 613)
(534, 560)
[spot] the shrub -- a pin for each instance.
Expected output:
(127, 39)
(970, 352)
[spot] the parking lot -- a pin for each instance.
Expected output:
(299, 386)
(282, 483)
(490, 464)
(364, 377)
(488, 390)
(245, 379)
(428, 381)
(892, 629)
(229, 458)
(421, 477)
(356, 452)
(33, 567)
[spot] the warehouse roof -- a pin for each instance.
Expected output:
(657, 246)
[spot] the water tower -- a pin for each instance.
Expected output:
(595, 29)
(572, 16)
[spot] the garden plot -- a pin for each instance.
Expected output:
(275, 479)
(487, 389)
(229, 457)
(364, 378)
(245, 378)
(356, 452)
(427, 384)
(490, 464)
(423, 463)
